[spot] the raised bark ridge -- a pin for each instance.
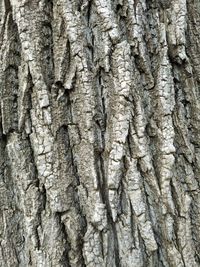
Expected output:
(99, 134)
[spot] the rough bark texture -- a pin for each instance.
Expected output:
(100, 133)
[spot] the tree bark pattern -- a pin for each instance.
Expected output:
(99, 133)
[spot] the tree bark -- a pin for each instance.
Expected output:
(100, 133)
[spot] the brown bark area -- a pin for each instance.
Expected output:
(99, 133)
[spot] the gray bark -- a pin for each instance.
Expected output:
(99, 133)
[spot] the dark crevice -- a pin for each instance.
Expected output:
(143, 248)
(8, 6)
(89, 8)
(66, 63)
(9, 79)
(32, 160)
(102, 183)
(44, 197)
(128, 141)
(36, 234)
(65, 257)
(133, 224)
(8, 10)
(26, 102)
(100, 168)
(175, 197)
(120, 192)
(65, 151)
(105, 198)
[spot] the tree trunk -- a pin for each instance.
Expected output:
(100, 133)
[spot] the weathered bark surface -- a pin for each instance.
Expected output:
(100, 133)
